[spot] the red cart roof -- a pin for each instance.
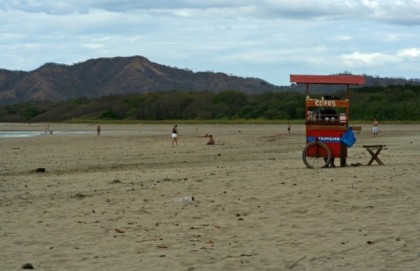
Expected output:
(328, 79)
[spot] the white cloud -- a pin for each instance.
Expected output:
(409, 53)
(377, 59)
(399, 12)
(356, 59)
(343, 38)
(94, 46)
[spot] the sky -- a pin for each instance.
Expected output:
(266, 39)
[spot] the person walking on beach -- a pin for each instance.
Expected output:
(175, 135)
(375, 127)
(288, 127)
(98, 130)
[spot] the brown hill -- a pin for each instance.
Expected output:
(114, 76)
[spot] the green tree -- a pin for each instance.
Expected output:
(109, 114)
(227, 103)
(30, 112)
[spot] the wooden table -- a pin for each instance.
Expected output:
(374, 151)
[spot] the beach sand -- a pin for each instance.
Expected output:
(110, 202)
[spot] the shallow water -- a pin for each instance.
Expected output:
(10, 134)
(5, 134)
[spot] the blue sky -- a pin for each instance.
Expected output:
(267, 39)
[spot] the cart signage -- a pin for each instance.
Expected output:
(329, 103)
(323, 138)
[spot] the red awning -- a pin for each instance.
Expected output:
(328, 79)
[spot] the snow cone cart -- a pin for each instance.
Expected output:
(328, 134)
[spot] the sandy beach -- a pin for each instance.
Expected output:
(112, 202)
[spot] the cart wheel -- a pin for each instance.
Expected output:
(318, 160)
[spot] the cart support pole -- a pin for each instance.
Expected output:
(343, 154)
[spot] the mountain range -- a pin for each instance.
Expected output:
(114, 76)
(127, 75)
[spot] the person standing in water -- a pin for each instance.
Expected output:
(175, 135)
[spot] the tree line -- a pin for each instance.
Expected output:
(384, 103)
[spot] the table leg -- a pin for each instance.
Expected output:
(374, 156)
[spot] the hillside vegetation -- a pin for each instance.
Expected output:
(385, 103)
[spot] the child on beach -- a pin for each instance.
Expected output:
(174, 135)
(375, 127)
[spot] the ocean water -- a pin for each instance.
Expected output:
(5, 134)
(8, 134)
